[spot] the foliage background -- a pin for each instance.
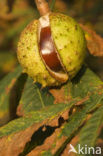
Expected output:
(53, 127)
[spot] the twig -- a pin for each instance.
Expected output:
(42, 6)
(52, 4)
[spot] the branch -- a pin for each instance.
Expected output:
(42, 6)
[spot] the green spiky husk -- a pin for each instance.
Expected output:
(69, 40)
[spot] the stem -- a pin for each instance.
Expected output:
(42, 6)
(52, 4)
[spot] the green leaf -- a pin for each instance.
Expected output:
(79, 90)
(85, 83)
(89, 132)
(38, 108)
(34, 117)
(34, 98)
(72, 127)
(6, 86)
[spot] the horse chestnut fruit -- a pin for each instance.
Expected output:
(52, 49)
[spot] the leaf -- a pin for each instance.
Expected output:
(34, 117)
(56, 142)
(66, 132)
(62, 94)
(85, 84)
(44, 136)
(33, 98)
(89, 132)
(6, 86)
(33, 120)
(73, 142)
(13, 144)
(94, 41)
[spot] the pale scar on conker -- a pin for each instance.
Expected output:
(49, 45)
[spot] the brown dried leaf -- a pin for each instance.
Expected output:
(13, 145)
(60, 96)
(73, 142)
(94, 41)
(100, 143)
(48, 144)
(53, 138)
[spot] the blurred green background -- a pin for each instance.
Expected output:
(16, 14)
